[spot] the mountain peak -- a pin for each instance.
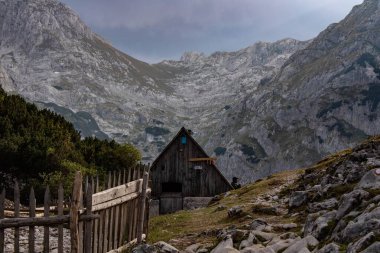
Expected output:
(192, 56)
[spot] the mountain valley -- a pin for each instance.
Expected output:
(260, 110)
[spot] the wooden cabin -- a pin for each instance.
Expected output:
(184, 170)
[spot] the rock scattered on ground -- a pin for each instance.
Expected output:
(336, 203)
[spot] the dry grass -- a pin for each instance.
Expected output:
(184, 228)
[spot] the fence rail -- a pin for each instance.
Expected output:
(100, 218)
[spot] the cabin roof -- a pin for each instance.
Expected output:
(181, 131)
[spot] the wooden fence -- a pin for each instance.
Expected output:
(99, 218)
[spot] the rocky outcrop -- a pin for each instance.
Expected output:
(353, 217)
(333, 214)
(323, 99)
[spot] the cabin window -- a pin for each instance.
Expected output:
(183, 139)
(171, 187)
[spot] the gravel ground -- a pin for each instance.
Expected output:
(39, 234)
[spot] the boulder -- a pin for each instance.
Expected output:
(265, 209)
(329, 248)
(220, 208)
(321, 226)
(297, 198)
(374, 248)
(238, 235)
(349, 201)
(328, 204)
(288, 235)
(144, 248)
(193, 248)
(227, 250)
(362, 243)
(263, 236)
(164, 247)
(235, 211)
(375, 199)
(281, 245)
(362, 225)
(251, 240)
(224, 245)
(258, 224)
(257, 249)
(371, 180)
(289, 226)
(373, 162)
(158, 247)
(309, 242)
(337, 232)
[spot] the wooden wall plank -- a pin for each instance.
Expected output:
(46, 214)
(116, 192)
(2, 200)
(17, 215)
(60, 213)
(32, 213)
(129, 219)
(121, 223)
(95, 238)
(111, 227)
(101, 231)
(88, 224)
(117, 217)
(141, 214)
(74, 209)
(106, 229)
(81, 223)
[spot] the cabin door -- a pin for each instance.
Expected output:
(171, 202)
(171, 199)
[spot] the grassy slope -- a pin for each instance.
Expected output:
(184, 227)
(199, 226)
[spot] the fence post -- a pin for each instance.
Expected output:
(74, 212)
(140, 223)
(32, 213)
(60, 213)
(46, 214)
(88, 224)
(16, 215)
(2, 200)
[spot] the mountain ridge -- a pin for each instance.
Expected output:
(250, 107)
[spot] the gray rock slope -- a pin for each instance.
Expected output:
(331, 207)
(324, 98)
(264, 108)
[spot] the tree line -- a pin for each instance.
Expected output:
(40, 147)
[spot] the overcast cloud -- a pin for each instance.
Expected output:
(153, 30)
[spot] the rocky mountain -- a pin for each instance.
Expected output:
(324, 98)
(52, 57)
(261, 109)
(330, 207)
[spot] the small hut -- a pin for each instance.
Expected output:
(184, 173)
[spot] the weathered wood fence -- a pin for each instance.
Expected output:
(99, 218)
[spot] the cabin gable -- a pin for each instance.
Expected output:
(173, 172)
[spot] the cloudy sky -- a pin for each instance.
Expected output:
(153, 30)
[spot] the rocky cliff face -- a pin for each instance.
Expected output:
(324, 98)
(52, 57)
(264, 108)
